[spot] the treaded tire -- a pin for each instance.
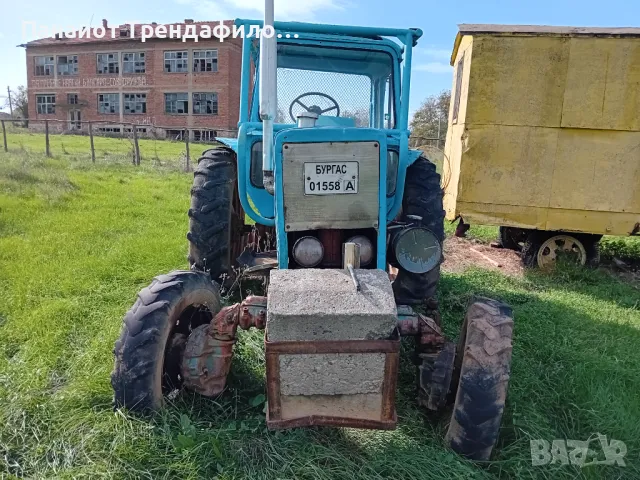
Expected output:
(216, 219)
(165, 311)
(422, 197)
(484, 370)
(535, 239)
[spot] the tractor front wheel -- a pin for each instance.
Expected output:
(483, 367)
(422, 199)
(153, 337)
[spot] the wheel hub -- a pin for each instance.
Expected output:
(561, 246)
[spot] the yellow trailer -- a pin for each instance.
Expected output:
(544, 136)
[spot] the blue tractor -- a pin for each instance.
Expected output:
(321, 194)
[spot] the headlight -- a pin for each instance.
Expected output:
(366, 249)
(308, 252)
(392, 171)
(417, 249)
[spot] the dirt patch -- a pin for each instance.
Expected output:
(461, 254)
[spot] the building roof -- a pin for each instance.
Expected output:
(539, 30)
(470, 29)
(122, 33)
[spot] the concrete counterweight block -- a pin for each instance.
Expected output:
(331, 358)
(315, 304)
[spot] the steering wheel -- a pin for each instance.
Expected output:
(314, 108)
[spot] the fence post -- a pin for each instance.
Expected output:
(4, 137)
(46, 133)
(93, 150)
(136, 157)
(186, 142)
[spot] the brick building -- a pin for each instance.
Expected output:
(174, 85)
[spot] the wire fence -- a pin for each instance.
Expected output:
(99, 141)
(109, 141)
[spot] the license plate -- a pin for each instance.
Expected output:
(330, 178)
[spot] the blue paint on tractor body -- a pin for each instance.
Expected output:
(343, 41)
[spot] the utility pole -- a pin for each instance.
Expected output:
(10, 104)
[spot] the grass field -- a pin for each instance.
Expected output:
(78, 241)
(108, 149)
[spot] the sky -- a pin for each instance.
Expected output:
(431, 71)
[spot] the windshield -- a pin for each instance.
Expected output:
(345, 87)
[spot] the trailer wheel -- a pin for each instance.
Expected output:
(483, 371)
(510, 237)
(543, 249)
(216, 217)
(154, 332)
(422, 198)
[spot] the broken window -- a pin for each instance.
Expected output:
(72, 98)
(44, 66)
(109, 103)
(67, 64)
(175, 134)
(456, 100)
(204, 136)
(133, 62)
(135, 103)
(205, 103)
(109, 130)
(46, 104)
(108, 63)
(138, 129)
(176, 61)
(176, 103)
(205, 60)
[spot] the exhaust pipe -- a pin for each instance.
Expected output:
(268, 95)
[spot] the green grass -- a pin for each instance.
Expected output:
(108, 149)
(78, 241)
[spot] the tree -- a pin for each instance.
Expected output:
(431, 119)
(19, 102)
(359, 115)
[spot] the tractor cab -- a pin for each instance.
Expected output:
(337, 155)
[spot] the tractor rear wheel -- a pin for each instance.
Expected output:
(422, 198)
(216, 217)
(154, 333)
(484, 367)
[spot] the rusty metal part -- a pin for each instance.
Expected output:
(252, 262)
(332, 242)
(434, 376)
(206, 362)
(415, 324)
(209, 350)
(432, 310)
(252, 312)
(636, 229)
(388, 417)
